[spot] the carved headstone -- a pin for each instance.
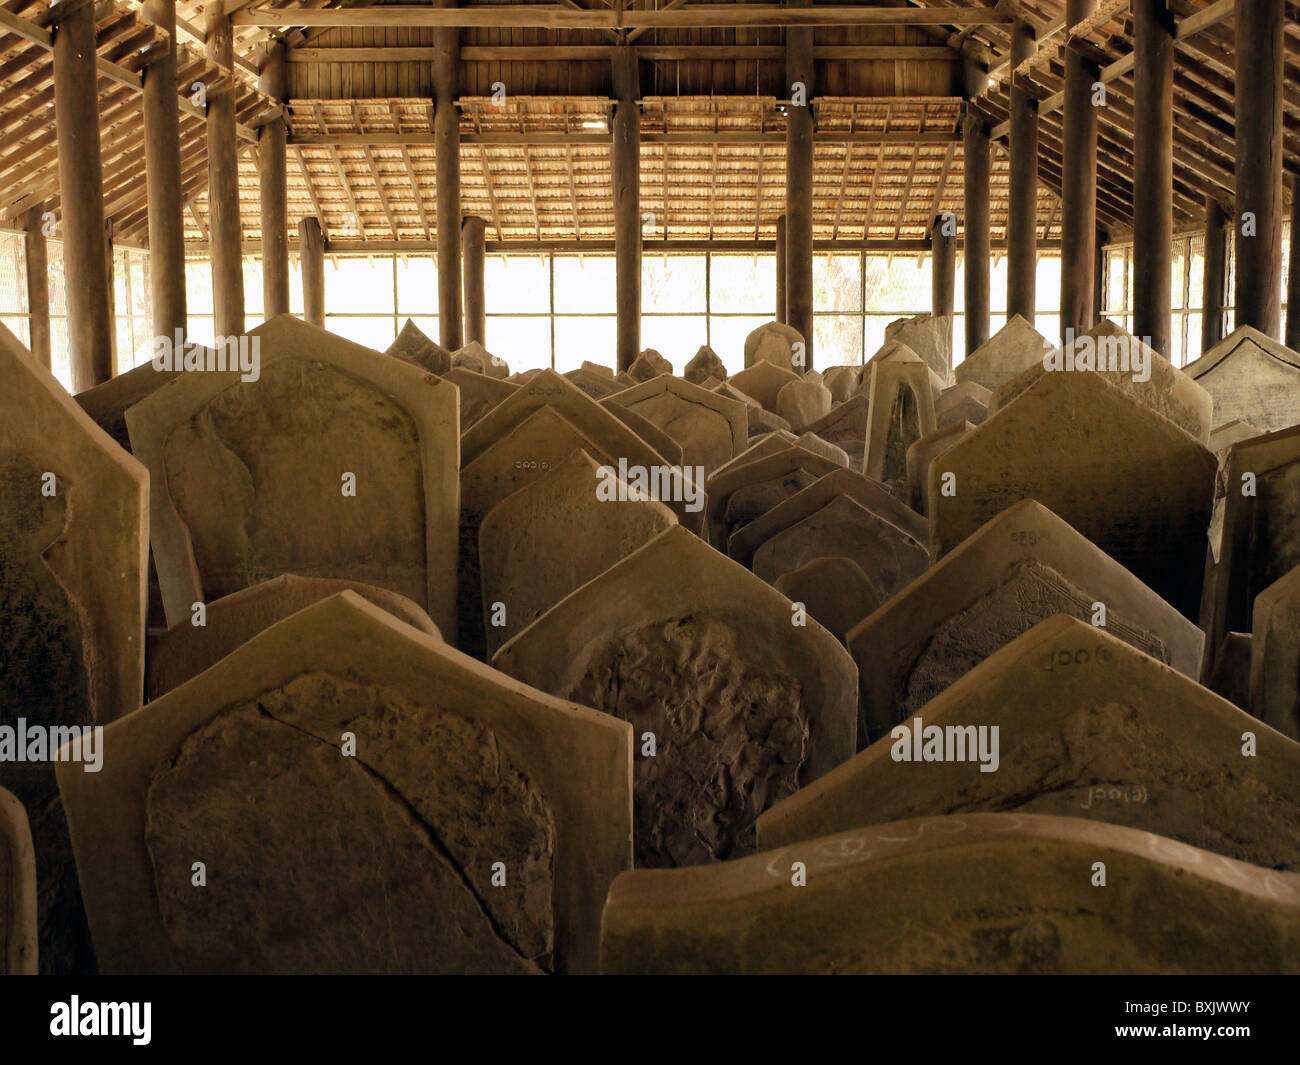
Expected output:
(924, 452)
(1275, 655)
(478, 393)
(835, 591)
(843, 381)
(901, 411)
(966, 401)
(930, 336)
(1008, 353)
(598, 386)
(846, 427)
(763, 381)
(766, 480)
(1251, 377)
(413, 346)
(824, 448)
(474, 356)
(710, 428)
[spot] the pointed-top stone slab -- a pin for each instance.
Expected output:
(924, 452)
(452, 766)
(1023, 566)
(1230, 433)
(1251, 377)
(703, 365)
(772, 342)
(475, 356)
(763, 381)
(1088, 726)
(1008, 353)
(710, 428)
(745, 707)
(649, 364)
(930, 336)
(966, 401)
(1275, 655)
(814, 443)
(901, 411)
(478, 393)
(18, 922)
(596, 385)
(761, 447)
(787, 470)
(413, 346)
(661, 442)
(107, 403)
(835, 591)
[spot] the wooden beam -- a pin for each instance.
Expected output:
(1215, 275)
(595, 53)
(1153, 173)
(162, 147)
(677, 137)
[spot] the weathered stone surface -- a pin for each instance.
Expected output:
(1275, 655)
(806, 502)
(454, 767)
(976, 893)
(744, 706)
(596, 385)
(710, 428)
(901, 411)
(703, 365)
(1088, 727)
(474, 356)
(814, 443)
(478, 393)
(763, 381)
(1133, 483)
(663, 444)
(597, 368)
(250, 479)
(1022, 567)
(778, 475)
(1230, 433)
(527, 542)
(760, 447)
(18, 911)
(1229, 671)
(107, 403)
(649, 364)
(964, 402)
(772, 342)
(803, 402)
(924, 452)
(1167, 391)
(1251, 378)
(413, 346)
(1008, 353)
(930, 336)
(843, 381)
(764, 421)
(730, 391)
(230, 622)
(846, 427)
(835, 591)
(73, 556)
(896, 351)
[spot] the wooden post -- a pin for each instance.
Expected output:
(81, 197)
(1216, 273)
(1022, 209)
(943, 269)
(626, 162)
(1293, 272)
(1153, 172)
(38, 284)
(223, 186)
(272, 172)
(311, 251)
(1258, 111)
(799, 183)
(162, 161)
(1102, 238)
(446, 137)
(473, 235)
(1078, 184)
(110, 274)
(976, 242)
(780, 270)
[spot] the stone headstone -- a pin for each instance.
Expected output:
(336, 462)
(1229, 670)
(978, 893)
(684, 644)
(710, 428)
(901, 411)
(1165, 389)
(19, 954)
(803, 402)
(362, 798)
(1230, 433)
(842, 381)
(107, 403)
(703, 365)
(597, 368)
(1251, 378)
(930, 336)
(1086, 726)
(896, 351)
(1023, 566)
(773, 342)
(413, 346)
(966, 401)
(760, 447)
(764, 421)
(1130, 481)
(763, 381)
(1008, 353)
(73, 550)
(924, 452)
(474, 356)
(835, 591)
(478, 393)
(659, 441)
(228, 623)
(649, 364)
(1275, 655)
(598, 386)
(814, 443)
(777, 476)
(846, 427)
(527, 541)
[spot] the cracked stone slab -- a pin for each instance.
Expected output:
(976, 893)
(455, 767)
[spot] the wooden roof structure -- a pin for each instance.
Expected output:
(536, 99)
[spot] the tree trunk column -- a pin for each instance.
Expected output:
(162, 161)
(223, 187)
(446, 138)
(1022, 213)
(38, 284)
(473, 236)
(1153, 172)
(272, 172)
(799, 184)
(1293, 272)
(1258, 225)
(1078, 185)
(976, 242)
(1216, 273)
(81, 199)
(311, 251)
(780, 270)
(943, 269)
(626, 161)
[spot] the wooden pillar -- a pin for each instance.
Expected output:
(1216, 273)
(1100, 241)
(311, 252)
(223, 186)
(38, 284)
(1022, 210)
(1258, 224)
(81, 197)
(1153, 172)
(1078, 184)
(1293, 272)
(780, 269)
(626, 161)
(976, 241)
(162, 163)
(473, 236)
(112, 297)
(272, 172)
(446, 138)
(799, 183)
(943, 269)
